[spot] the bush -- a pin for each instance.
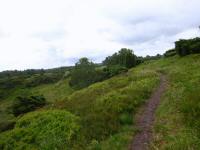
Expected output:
(39, 79)
(52, 129)
(170, 53)
(83, 74)
(23, 105)
(114, 70)
(186, 47)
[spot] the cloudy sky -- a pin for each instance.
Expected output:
(52, 33)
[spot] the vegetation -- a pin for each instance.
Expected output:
(23, 105)
(148, 58)
(52, 92)
(186, 47)
(52, 129)
(93, 107)
(84, 74)
(10, 81)
(111, 71)
(170, 53)
(106, 109)
(125, 57)
(177, 119)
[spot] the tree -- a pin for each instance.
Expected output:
(83, 74)
(125, 57)
(186, 47)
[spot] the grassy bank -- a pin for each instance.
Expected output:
(105, 111)
(177, 125)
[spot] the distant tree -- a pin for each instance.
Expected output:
(83, 74)
(186, 47)
(125, 57)
(170, 53)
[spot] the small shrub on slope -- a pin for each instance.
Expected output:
(23, 105)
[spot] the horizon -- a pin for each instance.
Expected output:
(54, 33)
(64, 66)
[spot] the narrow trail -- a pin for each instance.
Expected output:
(146, 119)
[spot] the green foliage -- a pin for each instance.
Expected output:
(156, 57)
(119, 141)
(139, 60)
(54, 91)
(186, 47)
(52, 129)
(177, 119)
(125, 57)
(39, 79)
(106, 107)
(6, 125)
(11, 81)
(84, 74)
(191, 108)
(170, 53)
(23, 105)
(113, 70)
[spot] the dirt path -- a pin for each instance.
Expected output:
(145, 120)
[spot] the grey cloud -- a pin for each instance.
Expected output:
(146, 33)
(141, 30)
(148, 24)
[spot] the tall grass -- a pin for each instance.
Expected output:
(107, 108)
(177, 125)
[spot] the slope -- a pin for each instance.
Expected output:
(107, 110)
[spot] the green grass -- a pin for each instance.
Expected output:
(54, 92)
(52, 129)
(105, 108)
(106, 111)
(177, 125)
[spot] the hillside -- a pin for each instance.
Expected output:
(102, 116)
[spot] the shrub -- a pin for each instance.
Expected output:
(125, 57)
(52, 129)
(39, 79)
(114, 70)
(83, 74)
(169, 53)
(23, 105)
(186, 47)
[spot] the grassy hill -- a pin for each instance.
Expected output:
(177, 125)
(102, 115)
(53, 90)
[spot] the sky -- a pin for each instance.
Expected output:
(52, 33)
